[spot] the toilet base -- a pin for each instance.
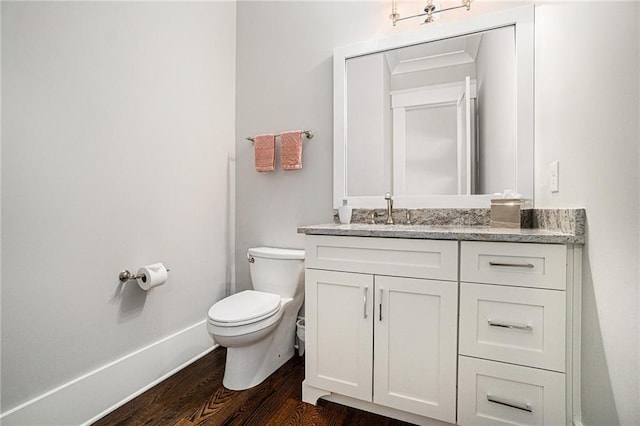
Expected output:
(249, 366)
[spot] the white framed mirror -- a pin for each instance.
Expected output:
(439, 117)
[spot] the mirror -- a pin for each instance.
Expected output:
(439, 118)
(445, 117)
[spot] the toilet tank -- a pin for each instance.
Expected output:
(276, 270)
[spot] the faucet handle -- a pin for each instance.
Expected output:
(408, 217)
(373, 217)
(387, 196)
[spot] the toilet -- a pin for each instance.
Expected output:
(258, 326)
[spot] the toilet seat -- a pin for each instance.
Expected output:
(246, 307)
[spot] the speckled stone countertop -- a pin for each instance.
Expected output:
(469, 233)
(558, 227)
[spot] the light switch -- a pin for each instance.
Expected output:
(554, 177)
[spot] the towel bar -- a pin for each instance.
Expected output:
(307, 133)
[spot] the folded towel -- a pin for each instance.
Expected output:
(291, 150)
(265, 150)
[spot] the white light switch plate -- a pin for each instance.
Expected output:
(554, 177)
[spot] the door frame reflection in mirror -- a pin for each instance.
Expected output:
(427, 99)
(522, 19)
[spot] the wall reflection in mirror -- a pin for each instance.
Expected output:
(435, 118)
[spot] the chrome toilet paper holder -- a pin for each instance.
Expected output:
(127, 275)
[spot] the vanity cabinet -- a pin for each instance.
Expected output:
(386, 339)
(465, 332)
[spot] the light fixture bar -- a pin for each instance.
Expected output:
(429, 11)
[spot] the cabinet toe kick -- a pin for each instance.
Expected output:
(312, 394)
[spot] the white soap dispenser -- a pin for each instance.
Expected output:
(344, 212)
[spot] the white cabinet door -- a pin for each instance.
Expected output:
(339, 332)
(415, 346)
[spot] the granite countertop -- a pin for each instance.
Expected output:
(466, 233)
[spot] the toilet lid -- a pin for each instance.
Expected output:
(244, 307)
(276, 253)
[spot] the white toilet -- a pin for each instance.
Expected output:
(258, 326)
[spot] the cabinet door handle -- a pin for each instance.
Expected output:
(380, 310)
(512, 265)
(364, 300)
(513, 404)
(514, 326)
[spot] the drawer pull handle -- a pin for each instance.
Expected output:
(513, 404)
(512, 265)
(380, 308)
(364, 300)
(510, 325)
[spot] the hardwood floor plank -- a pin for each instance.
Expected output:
(195, 382)
(195, 396)
(294, 412)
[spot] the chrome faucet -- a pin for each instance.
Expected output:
(387, 197)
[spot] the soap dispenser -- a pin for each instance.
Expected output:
(344, 212)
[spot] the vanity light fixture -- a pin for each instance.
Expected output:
(429, 10)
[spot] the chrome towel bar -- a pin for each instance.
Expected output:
(307, 133)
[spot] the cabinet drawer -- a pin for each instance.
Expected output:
(513, 324)
(432, 259)
(518, 264)
(493, 393)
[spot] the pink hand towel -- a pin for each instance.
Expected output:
(265, 150)
(291, 150)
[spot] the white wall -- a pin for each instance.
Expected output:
(587, 114)
(0, 209)
(587, 118)
(495, 69)
(117, 151)
(368, 109)
(284, 81)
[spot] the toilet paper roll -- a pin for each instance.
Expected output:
(152, 276)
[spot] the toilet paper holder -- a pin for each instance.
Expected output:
(127, 275)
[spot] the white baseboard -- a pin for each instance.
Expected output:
(89, 397)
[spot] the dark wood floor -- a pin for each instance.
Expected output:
(195, 396)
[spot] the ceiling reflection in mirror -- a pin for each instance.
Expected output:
(435, 118)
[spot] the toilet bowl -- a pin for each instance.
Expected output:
(258, 326)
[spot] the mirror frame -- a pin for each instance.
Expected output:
(522, 18)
